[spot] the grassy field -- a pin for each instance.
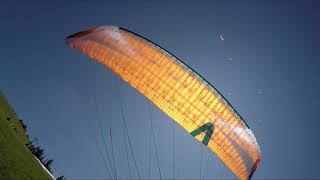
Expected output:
(16, 161)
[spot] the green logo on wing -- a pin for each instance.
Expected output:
(208, 127)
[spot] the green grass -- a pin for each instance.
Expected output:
(16, 161)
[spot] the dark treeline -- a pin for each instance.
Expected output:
(38, 152)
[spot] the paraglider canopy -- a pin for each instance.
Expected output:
(177, 90)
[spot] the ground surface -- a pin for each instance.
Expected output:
(16, 161)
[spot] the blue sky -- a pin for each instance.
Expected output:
(272, 80)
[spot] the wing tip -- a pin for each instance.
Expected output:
(254, 167)
(81, 33)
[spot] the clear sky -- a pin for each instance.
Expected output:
(267, 67)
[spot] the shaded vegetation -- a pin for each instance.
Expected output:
(16, 160)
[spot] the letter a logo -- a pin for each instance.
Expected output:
(208, 127)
